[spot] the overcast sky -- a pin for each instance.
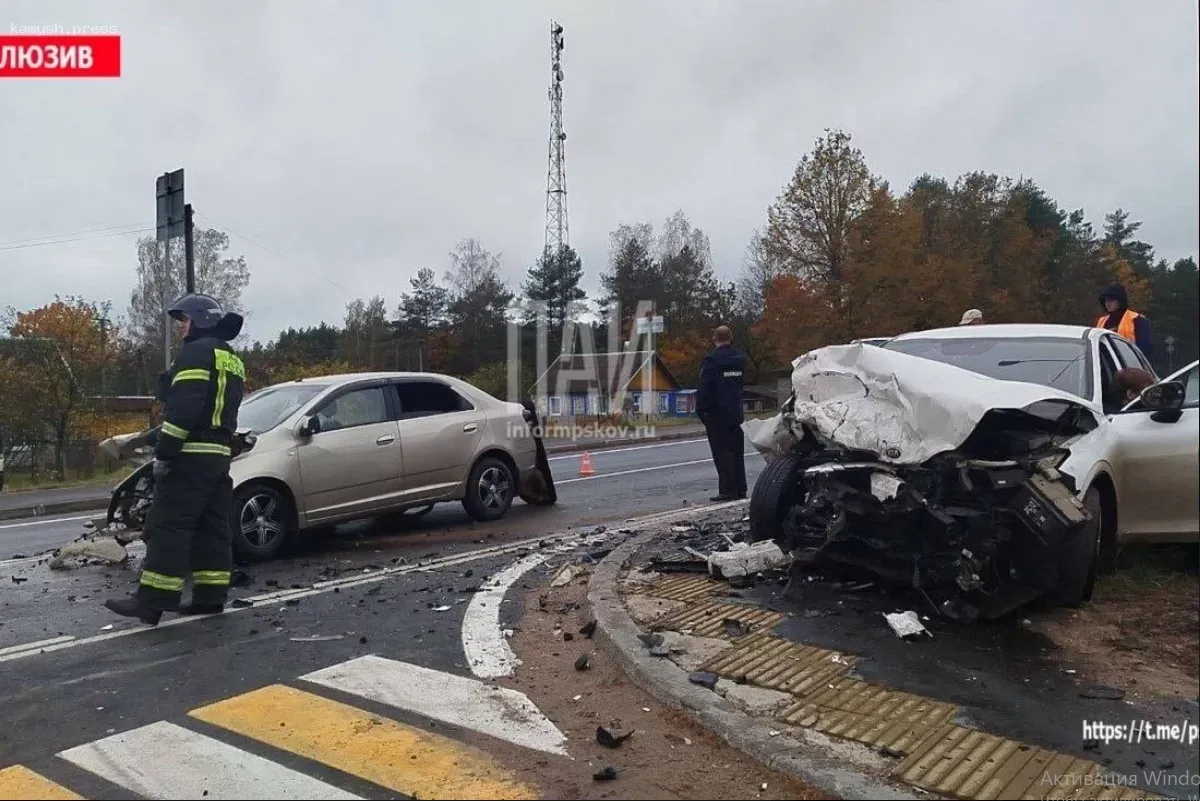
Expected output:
(345, 145)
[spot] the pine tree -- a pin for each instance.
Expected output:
(555, 280)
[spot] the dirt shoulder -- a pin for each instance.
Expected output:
(669, 756)
(1141, 632)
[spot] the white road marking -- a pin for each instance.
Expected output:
(381, 575)
(163, 760)
(495, 711)
(488, 653)
(45, 522)
(638, 470)
(33, 646)
(602, 451)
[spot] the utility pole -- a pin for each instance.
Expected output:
(104, 372)
(557, 232)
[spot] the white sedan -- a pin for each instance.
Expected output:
(992, 462)
(1145, 470)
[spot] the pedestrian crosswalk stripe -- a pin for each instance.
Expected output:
(496, 711)
(163, 760)
(377, 749)
(19, 783)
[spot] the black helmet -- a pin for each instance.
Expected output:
(203, 310)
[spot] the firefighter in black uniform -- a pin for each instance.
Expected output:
(719, 407)
(187, 530)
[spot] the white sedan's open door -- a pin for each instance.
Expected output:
(1158, 452)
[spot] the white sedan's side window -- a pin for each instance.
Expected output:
(1191, 397)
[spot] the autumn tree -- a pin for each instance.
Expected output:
(56, 359)
(1119, 270)
(809, 224)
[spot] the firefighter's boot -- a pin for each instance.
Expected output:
(134, 606)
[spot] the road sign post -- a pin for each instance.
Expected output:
(189, 248)
(170, 223)
(650, 325)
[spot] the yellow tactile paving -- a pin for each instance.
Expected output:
(689, 589)
(707, 619)
(939, 756)
(407, 760)
(19, 783)
(778, 664)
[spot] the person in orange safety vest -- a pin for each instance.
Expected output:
(1126, 322)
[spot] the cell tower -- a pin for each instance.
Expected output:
(557, 233)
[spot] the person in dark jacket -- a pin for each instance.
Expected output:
(1127, 323)
(187, 530)
(719, 407)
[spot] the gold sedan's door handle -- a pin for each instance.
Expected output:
(386, 439)
(470, 428)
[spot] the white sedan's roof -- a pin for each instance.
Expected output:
(343, 378)
(1001, 331)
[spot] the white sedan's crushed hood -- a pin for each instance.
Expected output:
(905, 409)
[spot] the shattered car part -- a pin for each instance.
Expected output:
(906, 624)
(928, 475)
(744, 560)
(131, 499)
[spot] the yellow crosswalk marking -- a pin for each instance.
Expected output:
(410, 761)
(19, 783)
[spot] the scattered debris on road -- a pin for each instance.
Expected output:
(89, 551)
(582, 662)
(610, 740)
(1101, 692)
(660, 761)
(606, 775)
(743, 560)
(566, 575)
(318, 638)
(906, 624)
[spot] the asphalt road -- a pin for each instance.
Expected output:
(353, 670)
(628, 481)
(228, 706)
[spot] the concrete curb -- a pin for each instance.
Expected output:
(670, 685)
(98, 504)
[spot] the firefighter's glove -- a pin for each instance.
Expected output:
(161, 468)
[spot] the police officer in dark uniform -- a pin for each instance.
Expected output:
(719, 407)
(187, 530)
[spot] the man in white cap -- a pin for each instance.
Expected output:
(971, 317)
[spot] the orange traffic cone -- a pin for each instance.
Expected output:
(585, 465)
